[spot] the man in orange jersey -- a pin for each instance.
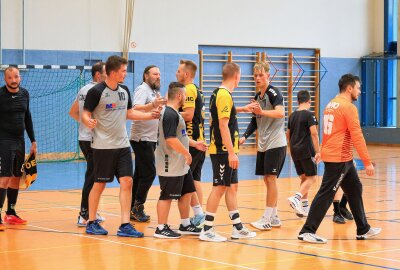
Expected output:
(341, 131)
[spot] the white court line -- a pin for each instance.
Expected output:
(380, 251)
(147, 248)
(332, 250)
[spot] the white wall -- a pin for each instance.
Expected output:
(341, 28)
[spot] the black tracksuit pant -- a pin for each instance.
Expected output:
(337, 174)
(145, 170)
(89, 177)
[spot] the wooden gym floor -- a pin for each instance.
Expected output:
(51, 240)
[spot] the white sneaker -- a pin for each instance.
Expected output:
(312, 238)
(275, 222)
(263, 224)
(211, 236)
(372, 232)
(306, 210)
(99, 218)
(243, 233)
(81, 221)
(296, 205)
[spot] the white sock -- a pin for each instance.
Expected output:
(274, 212)
(197, 210)
(160, 226)
(185, 222)
(268, 212)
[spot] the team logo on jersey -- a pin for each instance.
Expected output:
(111, 106)
(273, 92)
(225, 109)
(184, 132)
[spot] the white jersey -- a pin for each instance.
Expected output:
(85, 134)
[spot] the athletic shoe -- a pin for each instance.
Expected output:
(138, 214)
(346, 214)
(99, 218)
(241, 234)
(275, 222)
(338, 218)
(14, 220)
(95, 228)
(166, 233)
(189, 230)
(129, 231)
(296, 205)
(198, 220)
(263, 224)
(312, 238)
(372, 232)
(81, 221)
(211, 236)
(306, 209)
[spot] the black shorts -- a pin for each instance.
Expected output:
(112, 162)
(305, 166)
(173, 187)
(12, 156)
(271, 161)
(223, 175)
(198, 158)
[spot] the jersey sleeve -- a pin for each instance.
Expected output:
(92, 99)
(29, 123)
(140, 97)
(275, 97)
(311, 121)
(129, 105)
(353, 124)
(191, 95)
(224, 104)
(170, 123)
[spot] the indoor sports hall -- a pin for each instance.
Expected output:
(308, 45)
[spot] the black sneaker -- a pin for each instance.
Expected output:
(189, 230)
(166, 233)
(338, 218)
(346, 214)
(138, 214)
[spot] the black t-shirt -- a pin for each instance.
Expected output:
(15, 116)
(301, 145)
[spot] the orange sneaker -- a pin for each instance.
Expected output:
(14, 220)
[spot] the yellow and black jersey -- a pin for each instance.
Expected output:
(195, 99)
(222, 106)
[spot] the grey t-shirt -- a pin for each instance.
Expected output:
(271, 131)
(109, 108)
(144, 130)
(85, 134)
(169, 162)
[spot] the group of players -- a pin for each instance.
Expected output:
(167, 137)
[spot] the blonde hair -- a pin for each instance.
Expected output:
(262, 66)
(230, 70)
(190, 66)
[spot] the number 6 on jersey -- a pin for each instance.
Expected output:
(328, 123)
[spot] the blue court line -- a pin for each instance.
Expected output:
(313, 255)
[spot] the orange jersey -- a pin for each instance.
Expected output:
(341, 132)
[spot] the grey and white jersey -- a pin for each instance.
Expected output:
(168, 161)
(144, 130)
(109, 108)
(271, 131)
(85, 134)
